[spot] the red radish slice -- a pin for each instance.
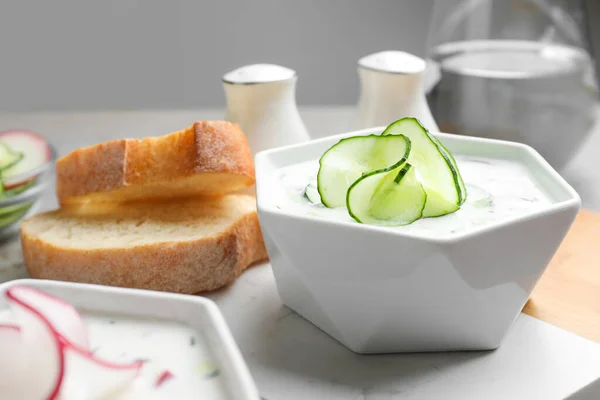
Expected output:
(55, 363)
(41, 352)
(10, 350)
(35, 150)
(166, 375)
(62, 316)
(90, 377)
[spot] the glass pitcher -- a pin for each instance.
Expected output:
(518, 70)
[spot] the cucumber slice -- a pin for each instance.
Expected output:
(11, 214)
(461, 182)
(437, 174)
(437, 205)
(312, 193)
(4, 194)
(8, 157)
(387, 197)
(351, 158)
(15, 209)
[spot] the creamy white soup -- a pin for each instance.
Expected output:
(171, 353)
(496, 190)
(161, 346)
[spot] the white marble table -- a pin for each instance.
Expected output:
(291, 359)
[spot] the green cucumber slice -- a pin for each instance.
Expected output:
(387, 197)
(11, 214)
(6, 193)
(8, 157)
(312, 193)
(351, 158)
(461, 182)
(15, 209)
(438, 205)
(435, 170)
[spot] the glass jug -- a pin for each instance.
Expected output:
(518, 70)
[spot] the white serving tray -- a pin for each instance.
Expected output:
(200, 314)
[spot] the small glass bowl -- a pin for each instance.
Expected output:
(26, 191)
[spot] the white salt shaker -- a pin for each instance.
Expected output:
(261, 98)
(392, 87)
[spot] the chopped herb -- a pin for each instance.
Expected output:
(213, 373)
(482, 203)
(192, 341)
(112, 322)
(207, 369)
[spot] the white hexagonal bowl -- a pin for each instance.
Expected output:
(380, 290)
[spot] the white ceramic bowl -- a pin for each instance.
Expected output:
(379, 290)
(199, 313)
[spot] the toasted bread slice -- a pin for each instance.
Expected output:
(209, 158)
(187, 246)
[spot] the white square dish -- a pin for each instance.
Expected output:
(380, 290)
(201, 315)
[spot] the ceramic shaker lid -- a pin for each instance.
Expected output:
(258, 73)
(398, 62)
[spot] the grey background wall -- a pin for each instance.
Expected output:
(98, 54)
(124, 54)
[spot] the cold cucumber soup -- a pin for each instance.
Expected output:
(100, 357)
(161, 346)
(497, 189)
(417, 188)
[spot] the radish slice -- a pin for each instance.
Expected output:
(10, 348)
(52, 346)
(166, 375)
(91, 378)
(14, 377)
(62, 316)
(40, 352)
(35, 150)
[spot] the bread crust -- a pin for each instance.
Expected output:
(188, 267)
(160, 167)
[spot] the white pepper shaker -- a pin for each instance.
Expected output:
(392, 87)
(261, 98)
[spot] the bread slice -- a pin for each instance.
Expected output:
(209, 158)
(188, 246)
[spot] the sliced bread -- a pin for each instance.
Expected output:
(209, 158)
(185, 246)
